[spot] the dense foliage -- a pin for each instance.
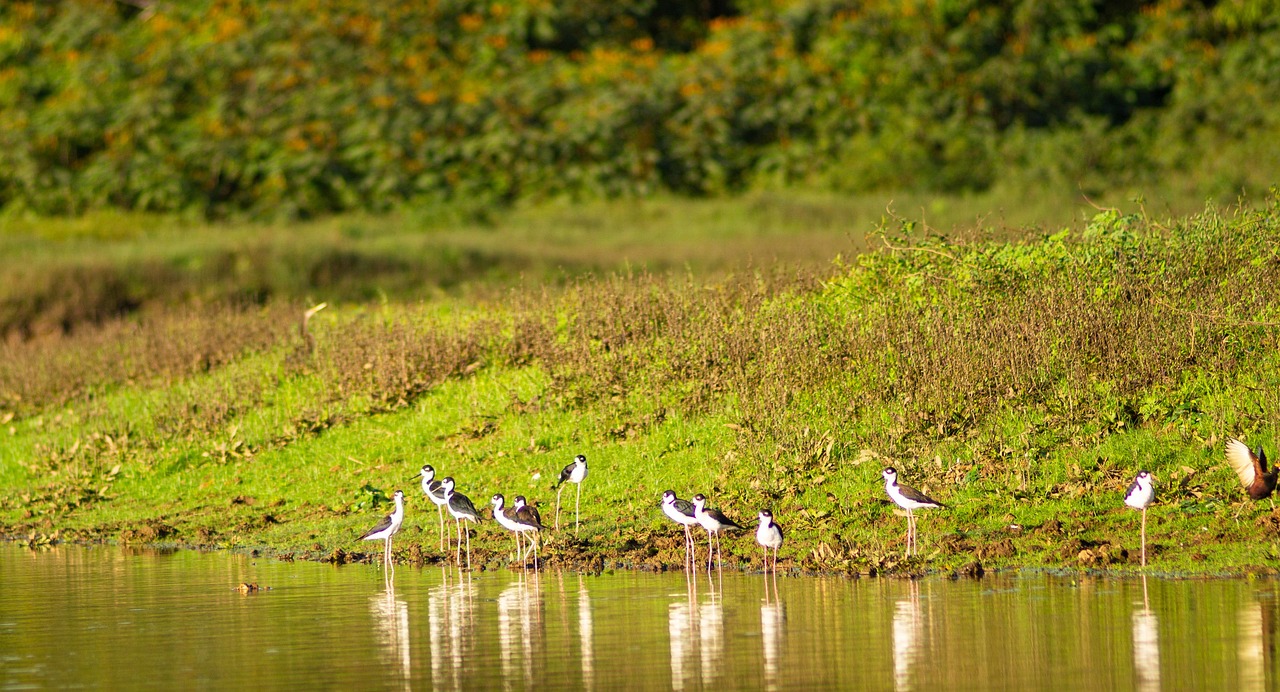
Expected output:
(299, 107)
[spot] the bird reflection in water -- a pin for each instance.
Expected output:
(908, 628)
(699, 627)
(1255, 629)
(771, 621)
(585, 634)
(711, 639)
(520, 630)
(450, 623)
(680, 626)
(391, 616)
(1146, 644)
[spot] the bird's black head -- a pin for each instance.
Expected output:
(669, 496)
(766, 514)
(700, 498)
(447, 482)
(519, 501)
(581, 459)
(497, 500)
(890, 473)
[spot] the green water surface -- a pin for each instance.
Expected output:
(111, 618)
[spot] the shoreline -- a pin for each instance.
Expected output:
(598, 564)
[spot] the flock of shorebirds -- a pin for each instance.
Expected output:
(522, 518)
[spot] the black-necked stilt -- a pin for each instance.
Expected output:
(460, 507)
(714, 521)
(681, 512)
(505, 521)
(769, 536)
(1140, 494)
(909, 499)
(387, 528)
(1251, 467)
(528, 520)
(434, 492)
(573, 473)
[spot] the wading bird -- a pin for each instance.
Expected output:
(714, 521)
(1140, 494)
(909, 499)
(769, 536)
(1251, 468)
(387, 528)
(461, 509)
(529, 521)
(505, 521)
(573, 473)
(681, 512)
(434, 492)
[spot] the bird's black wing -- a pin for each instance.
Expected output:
(528, 515)
(434, 487)
(684, 507)
(1133, 487)
(778, 526)
(565, 474)
(382, 526)
(916, 496)
(463, 504)
(720, 517)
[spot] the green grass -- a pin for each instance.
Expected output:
(1022, 380)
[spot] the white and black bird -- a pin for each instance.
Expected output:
(528, 520)
(769, 536)
(681, 512)
(1139, 494)
(387, 527)
(909, 499)
(506, 520)
(1251, 468)
(714, 521)
(573, 473)
(434, 491)
(461, 509)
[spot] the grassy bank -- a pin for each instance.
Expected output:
(1022, 381)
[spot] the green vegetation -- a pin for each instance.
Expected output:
(58, 274)
(297, 108)
(1022, 380)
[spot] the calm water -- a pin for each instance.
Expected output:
(107, 618)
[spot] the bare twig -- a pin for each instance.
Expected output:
(1213, 317)
(148, 7)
